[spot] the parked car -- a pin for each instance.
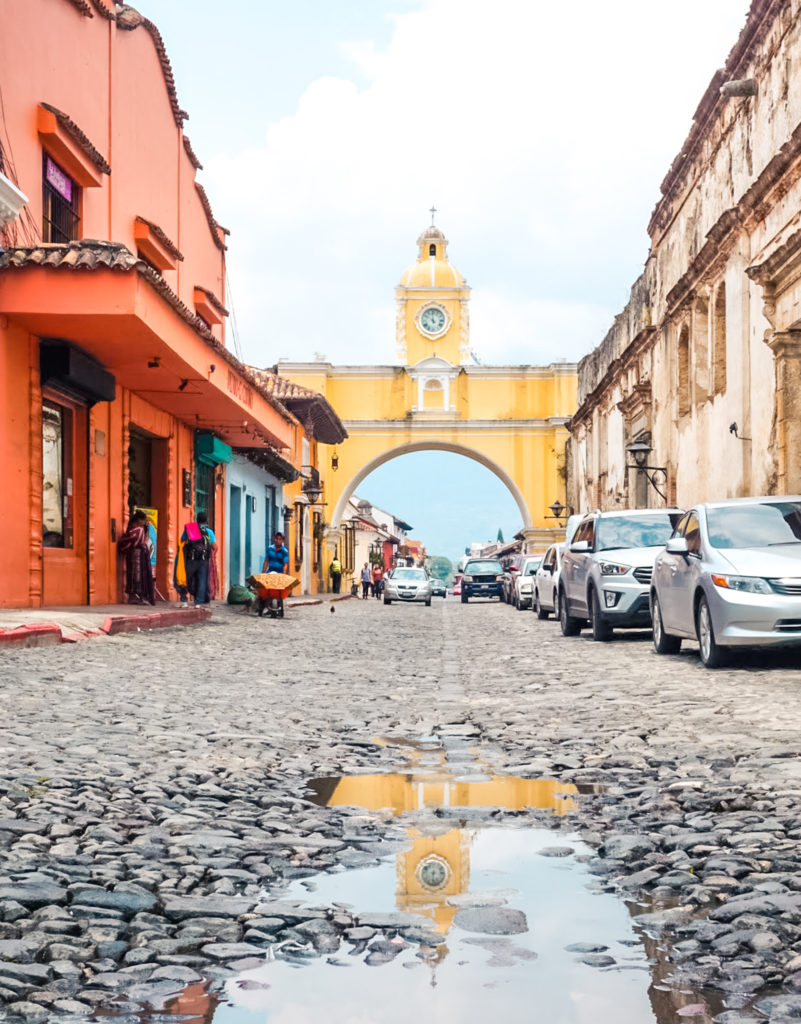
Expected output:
(510, 572)
(483, 577)
(606, 570)
(438, 588)
(730, 576)
(546, 582)
(523, 591)
(408, 584)
(457, 585)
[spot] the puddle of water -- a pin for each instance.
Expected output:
(456, 860)
(468, 976)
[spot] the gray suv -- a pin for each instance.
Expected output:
(607, 568)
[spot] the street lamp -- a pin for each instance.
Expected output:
(558, 511)
(639, 451)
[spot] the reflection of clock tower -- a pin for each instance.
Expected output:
(432, 318)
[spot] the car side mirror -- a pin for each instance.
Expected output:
(677, 546)
(580, 545)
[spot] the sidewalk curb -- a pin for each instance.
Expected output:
(115, 624)
(42, 634)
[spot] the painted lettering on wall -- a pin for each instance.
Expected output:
(239, 389)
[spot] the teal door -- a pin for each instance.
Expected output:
(235, 520)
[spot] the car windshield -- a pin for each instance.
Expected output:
(477, 568)
(760, 525)
(635, 531)
(408, 574)
(531, 566)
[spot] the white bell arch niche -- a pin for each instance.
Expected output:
(434, 378)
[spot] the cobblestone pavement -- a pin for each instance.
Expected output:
(153, 785)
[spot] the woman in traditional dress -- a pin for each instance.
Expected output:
(134, 544)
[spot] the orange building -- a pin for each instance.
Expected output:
(117, 389)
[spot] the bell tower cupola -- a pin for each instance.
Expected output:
(432, 317)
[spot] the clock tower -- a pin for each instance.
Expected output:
(432, 317)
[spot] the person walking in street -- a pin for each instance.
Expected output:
(336, 575)
(134, 544)
(277, 559)
(378, 580)
(198, 544)
(366, 581)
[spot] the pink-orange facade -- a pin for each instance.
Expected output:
(117, 389)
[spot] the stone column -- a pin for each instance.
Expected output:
(786, 348)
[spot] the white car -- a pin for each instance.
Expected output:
(408, 584)
(546, 583)
(523, 582)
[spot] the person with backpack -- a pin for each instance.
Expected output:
(196, 552)
(336, 575)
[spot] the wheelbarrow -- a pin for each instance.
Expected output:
(271, 588)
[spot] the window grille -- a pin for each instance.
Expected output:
(60, 197)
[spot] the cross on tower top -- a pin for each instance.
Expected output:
(432, 211)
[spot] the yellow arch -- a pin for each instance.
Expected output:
(430, 445)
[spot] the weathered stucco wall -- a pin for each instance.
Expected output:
(710, 327)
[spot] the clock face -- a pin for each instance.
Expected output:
(432, 320)
(433, 873)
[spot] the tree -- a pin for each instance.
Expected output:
(441, 568)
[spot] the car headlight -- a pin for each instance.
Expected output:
(613, 568)
(746, 584)
(467, 579)
(499, 579)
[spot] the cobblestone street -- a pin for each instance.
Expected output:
(155, 784)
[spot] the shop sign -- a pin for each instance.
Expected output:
(59, 180)
(239, 389)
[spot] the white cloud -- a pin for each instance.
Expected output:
(541, 133)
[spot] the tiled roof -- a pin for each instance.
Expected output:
(102, 10)
(128, 18)
(170, 246)
(282, 387)
(83, 7)
(191, 154)
(93, 254)
(215, 227)
(213, 300)
(75, 133)
(309, 406)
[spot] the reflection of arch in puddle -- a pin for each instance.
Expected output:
(438, 867)
(400, 793)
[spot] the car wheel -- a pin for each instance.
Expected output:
(520, 606)
(601, 630)
(712, 654)
(541, 613)
(464, 598)
(428, 603)
(664, 643)
(570, 626)
(387, 600)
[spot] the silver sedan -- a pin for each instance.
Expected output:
(408, 585)
(730, 576)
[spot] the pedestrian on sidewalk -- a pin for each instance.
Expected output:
(366, 581)
(134, 544)
(277, 559)
(336, 575)
(195, 555)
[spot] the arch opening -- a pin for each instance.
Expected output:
(424, 446)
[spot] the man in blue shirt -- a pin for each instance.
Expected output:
(277, 559)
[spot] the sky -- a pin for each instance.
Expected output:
(540, 132)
